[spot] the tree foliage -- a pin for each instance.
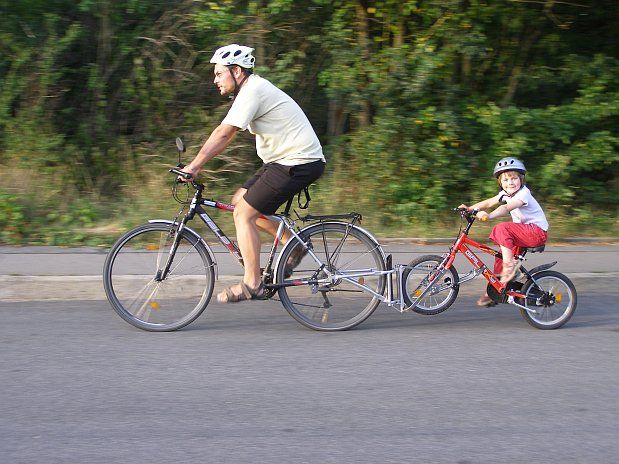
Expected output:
(414, 101)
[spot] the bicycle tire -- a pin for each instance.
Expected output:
(129, 278)
(416, 277)
(335, 305)
(548, 310)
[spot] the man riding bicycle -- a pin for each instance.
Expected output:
(286, 143)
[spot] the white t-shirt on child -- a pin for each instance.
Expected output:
(530, 212)
(283, 132)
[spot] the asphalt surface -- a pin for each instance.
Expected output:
(246, 383)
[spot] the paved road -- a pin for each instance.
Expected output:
(246, 384)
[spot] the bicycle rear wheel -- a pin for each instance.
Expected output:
(550, 300)
(131, 277)
(332, 305)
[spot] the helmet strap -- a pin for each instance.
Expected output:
(237, 85)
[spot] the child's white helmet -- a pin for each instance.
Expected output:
(239, 55)
(509, 164)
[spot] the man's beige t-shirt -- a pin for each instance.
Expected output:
(283, 132)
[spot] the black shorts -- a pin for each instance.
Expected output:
(273, 184)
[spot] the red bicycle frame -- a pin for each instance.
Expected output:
(463, 244)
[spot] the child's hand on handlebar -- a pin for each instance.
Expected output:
(482, 216)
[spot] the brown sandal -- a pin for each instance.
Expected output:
(228, 296)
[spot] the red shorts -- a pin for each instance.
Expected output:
(515, 236)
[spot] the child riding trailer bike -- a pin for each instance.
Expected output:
(546, 299)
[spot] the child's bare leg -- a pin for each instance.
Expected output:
(509, 265)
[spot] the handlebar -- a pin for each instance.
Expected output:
(469, 215)
(180, 173)
(177, 171)
(466, 213)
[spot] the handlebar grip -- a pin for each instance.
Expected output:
(180, 173)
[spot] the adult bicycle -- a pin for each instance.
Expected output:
(160, 276)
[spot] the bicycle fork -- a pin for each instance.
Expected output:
(162, 274)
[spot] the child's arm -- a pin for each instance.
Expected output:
(484, 204)
(502, 210)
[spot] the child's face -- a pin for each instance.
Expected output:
(510, 182)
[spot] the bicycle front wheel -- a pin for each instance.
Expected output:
(550, 300)
(332, 304)
(420, 274)
(141, 295)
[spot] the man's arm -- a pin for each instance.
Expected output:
(217, 142)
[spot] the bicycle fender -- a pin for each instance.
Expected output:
(301, 232)
(197, 236)
(541, 268)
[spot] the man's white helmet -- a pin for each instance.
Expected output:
(234, 54)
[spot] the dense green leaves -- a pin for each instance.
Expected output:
(414, 100)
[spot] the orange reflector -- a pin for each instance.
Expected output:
(151, 247)
(361, 280)
(558, 297)
(417, 293)
(154, 305)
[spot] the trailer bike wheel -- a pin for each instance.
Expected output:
(420, 274)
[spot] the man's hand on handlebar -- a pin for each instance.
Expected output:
(185, 176)
(191, 174)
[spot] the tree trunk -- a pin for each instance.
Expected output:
(364, 117)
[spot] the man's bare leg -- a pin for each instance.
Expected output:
(249, 244)
(266, 225)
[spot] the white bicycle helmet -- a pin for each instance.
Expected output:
(234, 54)
(509, 164)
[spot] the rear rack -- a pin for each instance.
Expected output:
(352, 216)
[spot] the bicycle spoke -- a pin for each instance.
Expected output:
(358, 257)
(180, 262)
(141, 292)
(147, 302)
